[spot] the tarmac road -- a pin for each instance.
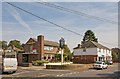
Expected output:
(110, 72)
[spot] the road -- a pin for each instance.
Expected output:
(65, 73)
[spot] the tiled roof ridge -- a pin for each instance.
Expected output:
(99, 45)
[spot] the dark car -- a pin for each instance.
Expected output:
(109, 62)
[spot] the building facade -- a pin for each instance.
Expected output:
(90, 52)
(38, 49)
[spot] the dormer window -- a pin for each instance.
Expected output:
(84, 49)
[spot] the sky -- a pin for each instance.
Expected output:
(19, 25)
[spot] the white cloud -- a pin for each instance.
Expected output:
(17, 16)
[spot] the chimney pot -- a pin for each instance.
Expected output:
(78, 45)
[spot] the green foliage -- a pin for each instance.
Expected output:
(114, 56)
(58, 56)
(16, 43)
(45, 61)
(39, 62)
(67, 54)
(3, 44)
(66, 50)
(89, 36)
(66, 57)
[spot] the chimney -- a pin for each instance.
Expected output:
(79, 45)
(40, 40)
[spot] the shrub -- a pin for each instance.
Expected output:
(45, 61)
(39, 62)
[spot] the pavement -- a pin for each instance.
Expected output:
(40, 71)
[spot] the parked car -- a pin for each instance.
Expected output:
(9, 65)
(100, 65)
(109, 62)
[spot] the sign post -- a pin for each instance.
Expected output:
(62, 44)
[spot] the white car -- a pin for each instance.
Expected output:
(100, 65)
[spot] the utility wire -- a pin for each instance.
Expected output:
(46, 20)
(76, 12)
(43, 19)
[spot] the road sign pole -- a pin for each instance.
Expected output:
(62, 57)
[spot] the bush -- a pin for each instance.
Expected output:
(45, 61)
(39, 62)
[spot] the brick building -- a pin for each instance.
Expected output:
(90, 52)
(38, 49)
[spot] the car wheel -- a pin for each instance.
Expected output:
(106, 67)
(102, 68)
(14, 71)
(2, 70)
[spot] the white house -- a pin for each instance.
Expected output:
(89, 52)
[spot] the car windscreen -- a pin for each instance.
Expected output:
(98, 62)
(9, 56)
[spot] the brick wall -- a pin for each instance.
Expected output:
(27, 45)
(85, 59)
(40, 47)
(32, 57)
(19, 58)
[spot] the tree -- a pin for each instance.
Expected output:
(67, 54)
(3, 44)
(66, 50)
(114, 56)
(15, 43)
(89, 36)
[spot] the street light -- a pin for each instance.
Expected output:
(62, 44)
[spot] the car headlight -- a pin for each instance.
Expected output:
(99, 65)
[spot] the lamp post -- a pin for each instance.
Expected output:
(62, 44)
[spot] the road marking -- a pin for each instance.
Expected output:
(58, 70)
(21, 73)
(44, 75)
(68, 74)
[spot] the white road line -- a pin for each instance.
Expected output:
(57, 70)
(20, 73)
(59, 75)
(68, 74)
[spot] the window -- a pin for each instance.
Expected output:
(48, 48)
(9, 56)
(99, 50)
(52, 57)
(44, 58)
(98, 62)
(84, 50)
(48, 57)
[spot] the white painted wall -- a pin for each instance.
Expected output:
(93, 51)
(89, 51)
(104, 52)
